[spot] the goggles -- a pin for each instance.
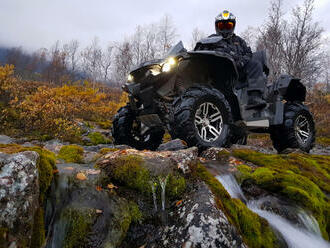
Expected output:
(225, 25)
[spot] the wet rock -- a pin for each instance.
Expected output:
(86, 140)
(197, 222)
(216, 153)
(173, 145)
(54, 145)
(89, 157)
(158, 163)
(19, 194)
(86, 214)
(4, 139)
(97, 148)
(292, 150)
(251, 190)
(320, 150)
(255, 148)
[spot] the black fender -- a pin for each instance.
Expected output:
(290, 88)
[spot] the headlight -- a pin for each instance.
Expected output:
(130, 78)
(169, 64)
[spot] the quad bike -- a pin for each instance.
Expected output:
(197, 96)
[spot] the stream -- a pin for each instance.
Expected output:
(306, 236)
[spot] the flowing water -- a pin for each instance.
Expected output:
(153, 189)
(306, 236)
(163, 182)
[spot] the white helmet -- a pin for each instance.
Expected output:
(225, 23)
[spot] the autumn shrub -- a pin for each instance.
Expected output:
(39, 109)
(319, 103)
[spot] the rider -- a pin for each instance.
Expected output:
(248, 68)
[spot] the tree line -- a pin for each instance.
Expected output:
(293, 40)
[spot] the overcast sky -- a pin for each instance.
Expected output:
(39, 23)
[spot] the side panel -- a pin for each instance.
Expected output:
(290, 88)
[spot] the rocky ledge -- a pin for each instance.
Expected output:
(106, 196)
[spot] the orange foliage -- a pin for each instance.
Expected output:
(319, 104)
(36, 107)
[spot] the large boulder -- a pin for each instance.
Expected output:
(19, 194)
(84, 212)
(197, 222)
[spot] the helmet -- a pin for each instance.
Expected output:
(225, 24)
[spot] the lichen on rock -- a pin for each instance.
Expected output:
(19, 195)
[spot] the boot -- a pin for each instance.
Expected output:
(255, 100)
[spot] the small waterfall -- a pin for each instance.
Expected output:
(230, 184)
(295, 237)
(153, 189)
(163, 182)
(309, 222)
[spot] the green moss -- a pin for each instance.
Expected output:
(302, 178)
(223, 155)
(38, 236)
(97, 138)
(79, 223)
(314, 167)
(104, 151)
(3, 237)
(323, 141)
(297, 188)
(255, 230)
(135, 212)
(71, 153)
(129, 171)
(175, 186)
(46, 165)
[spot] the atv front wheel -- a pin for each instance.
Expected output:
(202, 117)
(127, 130)
(297, 130)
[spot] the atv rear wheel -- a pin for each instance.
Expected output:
(202, 117)
(127, 130)
(297, 130)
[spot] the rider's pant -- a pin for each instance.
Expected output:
(255, 76)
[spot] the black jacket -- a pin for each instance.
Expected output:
(235, 46)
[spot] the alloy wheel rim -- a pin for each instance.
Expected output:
(140, 132)
(208, 122)
(302, 129)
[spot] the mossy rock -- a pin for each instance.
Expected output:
(79, 223)
(297, 188)
(315, 167)
(130, 214)
(131, 171)
(71, 153)
(106, 150)
(303, 179)
(97, 138)
(255, 230)
(3, 237)
(38, 236)
(46, 166)
(323, 141)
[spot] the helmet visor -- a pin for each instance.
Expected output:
(225, 25)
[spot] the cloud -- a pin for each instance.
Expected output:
(39, 23)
